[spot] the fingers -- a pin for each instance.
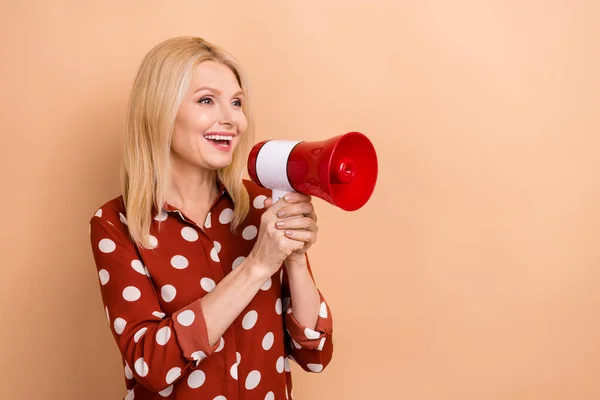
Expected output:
(293, 204)
(305, 223)
(301, 236)
(304, 209)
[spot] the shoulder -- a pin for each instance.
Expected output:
(112, 211)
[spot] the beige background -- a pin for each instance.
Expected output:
(472, 274)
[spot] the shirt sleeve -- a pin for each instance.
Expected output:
(156, 349)
(311, 349)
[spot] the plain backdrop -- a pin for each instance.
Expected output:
(473, 272)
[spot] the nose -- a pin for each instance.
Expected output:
(227, 117)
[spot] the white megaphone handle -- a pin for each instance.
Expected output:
(278, 194)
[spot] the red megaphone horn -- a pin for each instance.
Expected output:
(341, 170)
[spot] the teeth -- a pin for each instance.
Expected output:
(217, 137)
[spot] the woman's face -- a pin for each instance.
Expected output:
(210, 120)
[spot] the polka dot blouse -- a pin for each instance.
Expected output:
(152, 302)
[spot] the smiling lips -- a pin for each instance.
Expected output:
(220, 141)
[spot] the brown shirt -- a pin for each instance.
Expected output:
(152, 302)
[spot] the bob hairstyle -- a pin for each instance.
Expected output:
(160, 85)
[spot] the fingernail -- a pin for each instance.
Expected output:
(289, 233)
(280, 223)
(281, 213)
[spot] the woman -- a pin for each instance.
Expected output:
(206, 284)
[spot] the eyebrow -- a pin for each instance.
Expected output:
(217, 91)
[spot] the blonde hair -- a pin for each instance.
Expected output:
(158, 90)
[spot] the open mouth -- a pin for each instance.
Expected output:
(221, 141)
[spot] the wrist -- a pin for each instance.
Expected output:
(295, 262)
(255, 269)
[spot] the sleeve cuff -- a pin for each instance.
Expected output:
(304, 337)
(191, 332)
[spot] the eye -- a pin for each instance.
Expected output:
(205, 100)
(237, 103)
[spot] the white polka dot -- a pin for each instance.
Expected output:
(122, 218)
(221, 345)
(153, 241)
(280, 365)
(107, 246)
(141, 368)
(288, 368)
(131, 293)
(159, 314)
(220, 398)
(321, 344)
(98, 213)
(161, 216)
(252, 380)
(104, 276)
(309, 333)
(173, 374)
(128, 373)
(120, 325)
(259, 201)
(189, 234)
(186, 318)
(198, 356)
(163, 335)
(208, 221)
(315, 367)
(268, 341)
(207, 284)
(139, 334)
(270, 396)
(179, 262)
(234, 371)
(226, 216)
(167, 392)
(214, 253)
(138, 266)
(130, 395)
(168, 293)
(238, 261)
(238, 357)
(249, 232)
(267, 285)
(296, 344)
(278, 306)
(323, 310)
(147, 272)
(196, 379)
(250, 319)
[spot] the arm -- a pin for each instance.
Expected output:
(308, 319)
(158, 350)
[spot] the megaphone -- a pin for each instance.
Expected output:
(341, 170)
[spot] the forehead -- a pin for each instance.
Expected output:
(214, 74)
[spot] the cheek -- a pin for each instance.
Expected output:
(242, 123)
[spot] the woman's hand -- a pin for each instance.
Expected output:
(298, 221)
(276, 242)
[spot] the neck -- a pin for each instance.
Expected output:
(191, 187)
